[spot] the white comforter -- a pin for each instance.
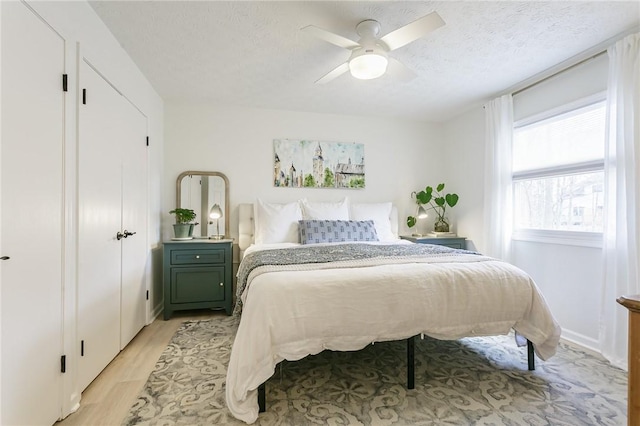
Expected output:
(294, 313)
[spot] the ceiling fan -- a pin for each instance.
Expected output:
(369, 57)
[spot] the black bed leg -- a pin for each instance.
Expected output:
(411, 344)
(531, 359)
(262, 398)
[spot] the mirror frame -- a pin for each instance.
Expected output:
(226, 194)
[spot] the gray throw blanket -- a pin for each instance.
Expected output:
(332, 253)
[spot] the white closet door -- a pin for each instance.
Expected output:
(32, 217)
(134, 219)
(99, 219)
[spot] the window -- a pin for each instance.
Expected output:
(558, 170)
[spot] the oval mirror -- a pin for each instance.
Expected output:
(206, 193)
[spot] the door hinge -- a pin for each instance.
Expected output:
(147, 294)
(84, 96)
(81, 347)
(64, 82)
(63, 364)
(147, 140)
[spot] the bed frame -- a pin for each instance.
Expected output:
(262, 392)
(246, 229)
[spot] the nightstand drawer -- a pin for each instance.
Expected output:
(453, 242)
(197, 257)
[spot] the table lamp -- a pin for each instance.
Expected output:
(216, 213)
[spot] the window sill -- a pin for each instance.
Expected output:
(567, 238)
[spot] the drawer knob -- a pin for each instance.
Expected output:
(221, 284)
(197, 257)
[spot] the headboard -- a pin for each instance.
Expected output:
(246, 226)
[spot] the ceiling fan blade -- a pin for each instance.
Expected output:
(398, 70)
(332, 38)
(339, 70)
(413, 31)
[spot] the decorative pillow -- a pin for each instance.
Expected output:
(325, 211)
(380, 213)
(336, 231)
(276, 223)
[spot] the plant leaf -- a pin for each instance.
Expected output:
(452, 199)
(439, 201)
(423, 197)
(440, 187)
(411, 221)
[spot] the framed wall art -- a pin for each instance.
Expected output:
(300, 163)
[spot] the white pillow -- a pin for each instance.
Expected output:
(380, 213)
(325, 211)
(276, 223)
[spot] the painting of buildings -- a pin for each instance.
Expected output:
(314, 164)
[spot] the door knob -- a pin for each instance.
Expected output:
(127, 233)
(5, 258)
(119, 236)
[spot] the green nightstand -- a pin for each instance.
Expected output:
(453, 242)
(197, 274)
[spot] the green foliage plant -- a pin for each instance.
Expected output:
(183, 215)
(438, 202)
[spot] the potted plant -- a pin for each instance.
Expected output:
(437, 202)
(183, 228)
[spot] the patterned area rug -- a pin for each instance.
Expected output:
(479, 381)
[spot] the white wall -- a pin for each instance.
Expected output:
(464, 174)
(569, 276)
(400, 156)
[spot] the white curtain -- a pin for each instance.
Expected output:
(498, 220)
(622, 219)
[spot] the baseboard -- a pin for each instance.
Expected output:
(584, 342)
(73, 405)
(157, 310)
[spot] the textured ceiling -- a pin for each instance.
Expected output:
(253, 54)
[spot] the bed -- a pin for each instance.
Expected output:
(344, 298)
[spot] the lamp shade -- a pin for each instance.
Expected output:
(215, 212)
(422, 213)
(368, 66)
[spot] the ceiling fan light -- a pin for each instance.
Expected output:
(368, 66)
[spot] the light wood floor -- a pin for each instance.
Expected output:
(106, 401)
